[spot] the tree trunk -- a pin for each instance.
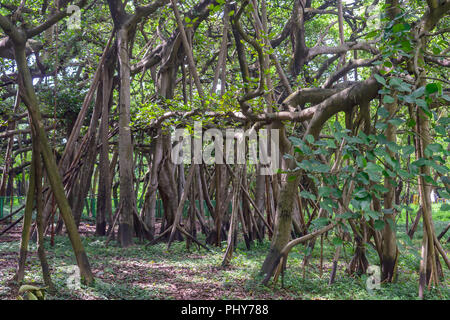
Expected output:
(30, 99)
(127, 196)
(283, 223)
(26, 227)
(168, 188)
(87, 169)
(104, 207)
(389, 244)
(39, 219)
(234, 216)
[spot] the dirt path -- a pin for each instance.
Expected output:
(166, 280)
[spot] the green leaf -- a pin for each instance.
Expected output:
(372, 34)
(398, 27)
(328, 205)
(421, 103)
(383, 112)
(396, 82)
(380, 79)
(320, 222)
(388, 99)
(445, 194)
(419, 162)
(418, 93)
(337, 241)
(424, 106)
(347, 215)
(309, 138)
(431, 88)
(393, 146)
(381, 126)
(406, 46)
(374, 171)
(396, 121)
(373, 214)
(381, 152)
(360, 193)
(435, 148)
(363, 177)
(361, 161)
(296, 141)
(324, 191)
(439, 168)
(378, 224)
(380, 188)
(404, 174)
(331, 144)
(411, 123)
(441, 130)
(289, 156)
(308, 195)
(391, 223)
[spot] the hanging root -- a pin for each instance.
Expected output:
(359, 263)
(279, 264)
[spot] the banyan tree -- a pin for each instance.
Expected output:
(350, 97)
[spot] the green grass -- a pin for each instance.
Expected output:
(152, 272)
(438, 215)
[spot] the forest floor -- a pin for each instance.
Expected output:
(152, 272)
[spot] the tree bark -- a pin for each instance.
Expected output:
(389, 243)
(127, 196)
(26, 227)
(29, 97)
(104, 207)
